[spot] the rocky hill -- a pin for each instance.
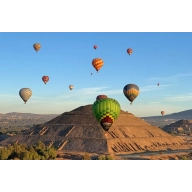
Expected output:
(181, 126)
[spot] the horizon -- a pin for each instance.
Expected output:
(90, 104)
(66, 58)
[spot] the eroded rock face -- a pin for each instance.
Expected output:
(79, 131)
(179, 126)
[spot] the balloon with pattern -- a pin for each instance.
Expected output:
(45, 79)
(25, 94)
(37, 47)
(129, 51)
(106, 111)
(101, 97)
(71, 87)
(131, 91)
(97, 63)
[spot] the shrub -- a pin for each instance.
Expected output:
(22, 152)
(105, 157)
(86, 157)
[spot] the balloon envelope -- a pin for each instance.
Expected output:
(106, 112)
(25, 94)
(162, 112)
(129, 51)
(95, 47)
(71, 87)
(37, 47)
(45, 79)
(97, 63)
(101, 97)
(131, 91)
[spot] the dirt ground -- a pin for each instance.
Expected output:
(176, 153)
(182, 154)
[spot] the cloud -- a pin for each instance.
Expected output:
(171, 78)
(153, 103)
(153, 87)
(178, 98)
(91, 93)
(86, 93)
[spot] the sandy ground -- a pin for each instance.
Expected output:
(177, 156)
(174, 154)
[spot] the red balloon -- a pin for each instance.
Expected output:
(45, 79)
(129, 51)
(95, 47)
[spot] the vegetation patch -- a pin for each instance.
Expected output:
(22, 152)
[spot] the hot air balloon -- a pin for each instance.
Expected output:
(162, 112)
(129, 51)
(106, 112)
(45, 79)
(71, 87)
(37, 47)
(131, 91)
(158, 84)
(25, 94)
(97, 63)
(95, 47)
(101, 97)
(91, 73)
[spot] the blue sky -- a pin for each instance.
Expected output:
(66, 58)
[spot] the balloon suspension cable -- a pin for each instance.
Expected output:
(131, 103)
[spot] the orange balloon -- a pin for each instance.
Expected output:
(97, 63)
(37, 47)
(45, 79)
(162, 112)
(129, 51)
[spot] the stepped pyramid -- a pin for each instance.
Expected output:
(79, 131)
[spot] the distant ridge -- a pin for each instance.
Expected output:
(178, 115)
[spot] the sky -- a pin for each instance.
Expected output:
(66, 57)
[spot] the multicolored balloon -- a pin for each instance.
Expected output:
(97, 63)
(45, 79)
(71, 87)
(101, 97)
(37, 47)
(131, 91)
(129, 51)
(95, 47)
(25, 94)
(106, 112)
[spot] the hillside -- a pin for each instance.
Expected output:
(164, 120)
(78, 131)
(15, 122)
(181, 126)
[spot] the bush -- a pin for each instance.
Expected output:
(105, 157)
(86, 157)
(184, 157)
(22, 152)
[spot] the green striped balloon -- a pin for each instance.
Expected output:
(106, 107)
